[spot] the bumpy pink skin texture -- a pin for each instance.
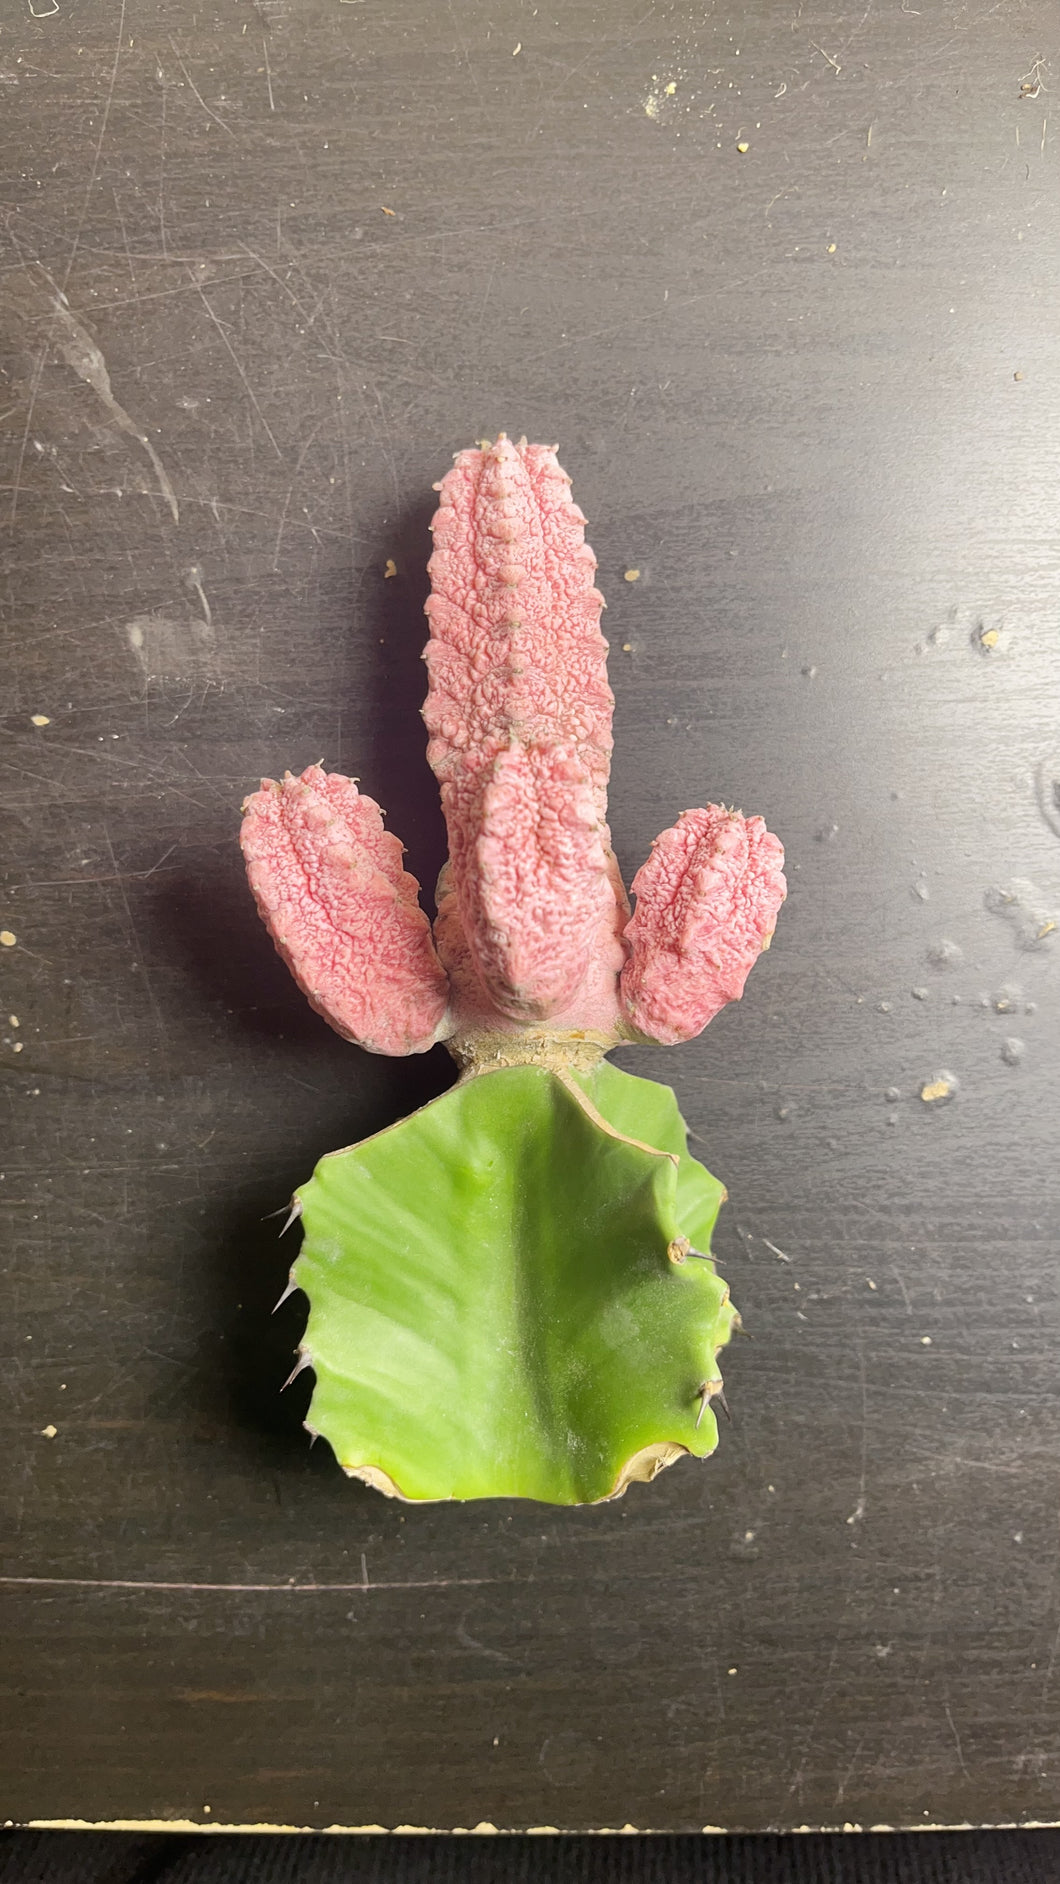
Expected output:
(343, 912)
(519, 717)
(533, 930)
(707, 901)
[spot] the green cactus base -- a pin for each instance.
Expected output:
(502, 1298)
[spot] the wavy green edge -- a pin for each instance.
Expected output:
(498, 1302)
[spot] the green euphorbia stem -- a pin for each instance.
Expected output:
(503, 1301)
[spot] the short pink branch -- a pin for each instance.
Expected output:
(343, 912)
(707, 903)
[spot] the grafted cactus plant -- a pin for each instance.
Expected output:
(511, 1292)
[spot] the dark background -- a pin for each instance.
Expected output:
(998, 1857)
(810, 391)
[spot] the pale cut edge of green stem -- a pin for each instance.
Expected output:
(643, 1466)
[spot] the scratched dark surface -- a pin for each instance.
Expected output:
(264, 268)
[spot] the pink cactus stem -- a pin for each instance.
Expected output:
(519, 717)
(533, 932)
(342, 911)
(707, 901)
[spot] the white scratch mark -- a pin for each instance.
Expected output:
(81, 353)
(485, 298)
(30, 408)
(280, 283)
(239, 369)
(135, 939)
(1050, 1671)
(848, 1775)
(194, 581)
(125, 240)
(243, 1589)
(198, 94)
(465, 1637)
(824, 1693)
(268, 72)
(957, 1742)
(90, 186)
(859, 1509)
(290, 494)
(162, 170)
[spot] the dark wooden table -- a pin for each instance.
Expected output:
(783, 282)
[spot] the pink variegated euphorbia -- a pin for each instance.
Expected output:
(533, 970)
(533, 934)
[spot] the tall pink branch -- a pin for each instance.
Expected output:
(519, 717)
(343, 912)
